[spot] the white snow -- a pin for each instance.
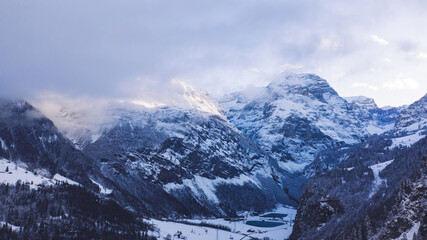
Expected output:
(95, 137)
(291, 95)
(292, 166)
(206, 187)
(238, 229)
(376, 169)
(409, 235)
(373, 128)
(166, 228)
(362, 101)
(18, 171)
(13, 227)
(3, 145)
(407, 140)
(59, 178)
(102, 189)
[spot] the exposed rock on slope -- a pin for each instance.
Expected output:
(373, 119)
(188, 162)
(371, 200)
(297, 117)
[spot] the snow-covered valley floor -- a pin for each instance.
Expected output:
(239, 230)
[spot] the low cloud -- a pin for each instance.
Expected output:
(329, 44)
(419, 54)
(98, 48)
(402, 84)
(364, 85)
(379, 40)
(73, 113)
(83, 116)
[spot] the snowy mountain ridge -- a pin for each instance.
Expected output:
(282, 127)
(297, 116)
(362, 102)
(413, 118)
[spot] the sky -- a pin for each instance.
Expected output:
(140, 49)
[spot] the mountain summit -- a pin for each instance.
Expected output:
(297, 116)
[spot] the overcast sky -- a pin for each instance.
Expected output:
(135, 49)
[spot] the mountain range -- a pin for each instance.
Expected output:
(295, 142)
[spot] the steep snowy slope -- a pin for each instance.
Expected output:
(27, 136)
(185, 161)
(413, 118)
(374, 120)
(299, 116)
(296, 117)
(373, 193)
(83, 120)
(411, 125)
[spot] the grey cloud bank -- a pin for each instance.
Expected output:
(135, 49)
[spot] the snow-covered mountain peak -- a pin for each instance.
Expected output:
(298, 79)
(308, 85)
(178, 94)
(362, 101)
(83, 127)
(297, 116)
(198, 99)
(413, 118)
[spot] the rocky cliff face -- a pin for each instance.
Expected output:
(373, 119)
(190, 156)
(373, 193)
(161, 161)
(413, 119)
(299, 116)
(377, 186)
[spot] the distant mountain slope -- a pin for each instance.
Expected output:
(411, 125)
(157, 161)
(372, 193)
(184, 161)
(27, 136)
(38, 201)
(413, 118)
(373, 119)
(299, 115)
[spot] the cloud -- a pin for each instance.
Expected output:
(422, 55)
(125, 49)
(402, 84)
(329, 44)
(85, 117)
(379, 40)
(419, 54)
(364, 85)
(292, 66)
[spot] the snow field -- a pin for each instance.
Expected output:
(16, 171)
(239, 230)
(376, 169)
